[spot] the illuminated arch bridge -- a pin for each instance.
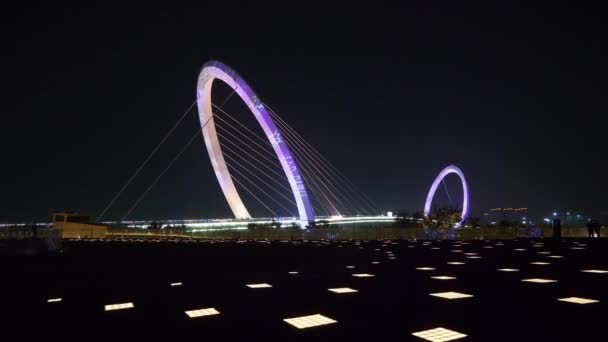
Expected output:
(465, 190)
(317, 188)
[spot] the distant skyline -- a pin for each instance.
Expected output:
(514, 96)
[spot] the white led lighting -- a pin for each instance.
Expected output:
(508, 270)
(363, 275)
(202, 312)
(439, 335)
(176, 284)
(120, 306)
(451, 295)
(54, 300)
(259, 286)
(343, 290)
(578, 300)
(540, 280)
(309, 321)
(595, 271)
(444, 278)
(425, 268)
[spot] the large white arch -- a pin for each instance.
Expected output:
(465, 191)
(216, 70)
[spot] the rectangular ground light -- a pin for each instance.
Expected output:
(121, 306)
(259, 286)
(202, 312)
(439, 335)
(310, 321)
(343, 290)
(363, 275)
(451, 295)
(595, 271)
(578, 300)
(539, 280)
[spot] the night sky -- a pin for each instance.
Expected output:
(515, 96)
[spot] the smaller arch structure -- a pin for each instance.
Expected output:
(465, 191)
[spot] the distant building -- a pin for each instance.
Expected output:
(506, 214)
(73, 225)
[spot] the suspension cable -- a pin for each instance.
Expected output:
(100, 216)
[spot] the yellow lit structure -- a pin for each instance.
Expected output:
(73, 225)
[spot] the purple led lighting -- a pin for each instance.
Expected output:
(216, 70)
(465, 190)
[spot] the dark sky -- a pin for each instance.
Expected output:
(515, 96)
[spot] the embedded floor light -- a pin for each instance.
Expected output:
(176, 284)
(303, 322)
(488, 247)
(540, 263)
(544, 252)
(444, 278)
(293, 272)
(595, 271)
(54, 300)
(540, 280)
(259, 286)
(576, 248)
(435, 248)
(350, 266)
(473, 257)
(555, 256)
(343, 290)
(455, 263)
(439, 335)
(425, 268)
(363, 275)
(470, 253)
(520, 249)
(456, 251)
(202, 312)
(508, 270)
(375, 262)
(451, 295)
(121, 306)
(578, 300)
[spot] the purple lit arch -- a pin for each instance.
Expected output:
(465, 190)
(216, 70)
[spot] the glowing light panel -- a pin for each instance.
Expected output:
(578, 300)
(595, 271)
(309, 321)
(121, 306)
(259, 286)
(439, 335)
(343, 290)
(202, 312)
(451, 295)
(539, 280)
